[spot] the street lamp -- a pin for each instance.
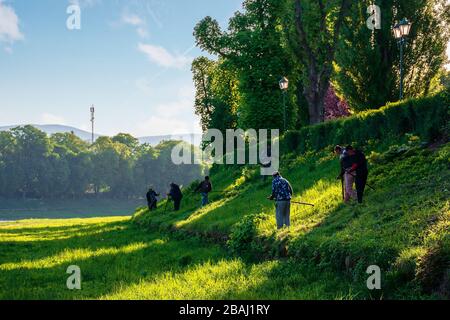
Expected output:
(284, 86)
(401, 31)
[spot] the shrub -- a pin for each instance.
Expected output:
(425, 117)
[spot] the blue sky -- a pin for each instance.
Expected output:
(130, 58)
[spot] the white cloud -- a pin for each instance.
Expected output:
(9, 25)
(138, 22)
(48, 118)
(162, 57)
(171, 118)
(132, 19)
(156, 125)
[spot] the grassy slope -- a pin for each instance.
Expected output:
(405, 219)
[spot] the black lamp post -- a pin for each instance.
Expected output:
(284, 86)
(401, 32)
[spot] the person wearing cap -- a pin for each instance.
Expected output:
(282, 194)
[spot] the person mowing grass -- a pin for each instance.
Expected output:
(152, 201)
(205, 187)
(349, 177)
(176, 195)
(358, 170)
(282, 194)
(341, 153)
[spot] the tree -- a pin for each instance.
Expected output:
(318, 26)
(33, 165)
(74, 151)
(217, 96)
(146, 171)
(202, 70)
(126, 139)
(29, 161)
(254, 47)
(367, 72)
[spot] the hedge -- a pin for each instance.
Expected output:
(426, 117)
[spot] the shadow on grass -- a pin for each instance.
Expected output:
(116, 257)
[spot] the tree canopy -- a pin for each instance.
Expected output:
(317, 45)
(34, 165)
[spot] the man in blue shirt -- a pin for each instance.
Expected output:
(282, 194)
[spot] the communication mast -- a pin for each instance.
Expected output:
(92, 122)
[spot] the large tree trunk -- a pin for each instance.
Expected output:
(315, 96)
(316, 107)
(319, 70)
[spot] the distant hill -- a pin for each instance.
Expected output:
(194, 139)
(56, 128)
(86, 136)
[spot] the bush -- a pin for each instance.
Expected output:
(425, 117)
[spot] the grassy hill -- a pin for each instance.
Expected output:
(231, 248)
(403, 226)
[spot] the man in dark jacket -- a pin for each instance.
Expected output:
(205, 187)
(176, 195)
(359, 167)
(151, 199)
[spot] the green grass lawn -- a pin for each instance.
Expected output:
(120, 261)
(11, 210)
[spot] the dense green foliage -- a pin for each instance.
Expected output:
(33, 165)
(367, 61)
(217, 99)
(427, 117)
(252, 47)
(315, 43)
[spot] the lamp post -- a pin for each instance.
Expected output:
(401, 31)
(284, 86)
